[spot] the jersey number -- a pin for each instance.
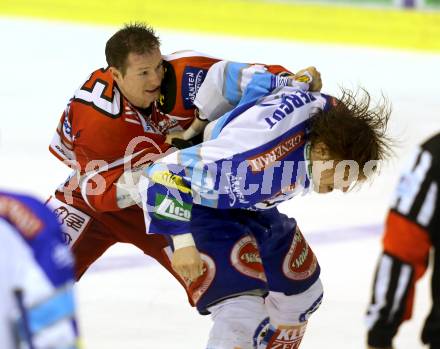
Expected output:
(96, 98)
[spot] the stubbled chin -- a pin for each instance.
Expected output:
(149, 98)
(145, 103)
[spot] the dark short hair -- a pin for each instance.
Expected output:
(353, 129)
(138, 38)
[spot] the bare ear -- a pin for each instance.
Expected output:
(320, 151)
(116, 74)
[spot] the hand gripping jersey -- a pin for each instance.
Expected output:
(100, 134)
(254, 158)
(37, 308)
(412, 231)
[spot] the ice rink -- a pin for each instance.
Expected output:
(126, 300)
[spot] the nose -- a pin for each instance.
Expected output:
(156, 79)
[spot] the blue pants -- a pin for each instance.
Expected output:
(250, 252)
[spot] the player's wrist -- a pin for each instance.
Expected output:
(183, 240)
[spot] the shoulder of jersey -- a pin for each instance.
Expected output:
(186, 54)
(99, 76)
(184, 73)
(100, 93)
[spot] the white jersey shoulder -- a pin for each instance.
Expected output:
(184, 54)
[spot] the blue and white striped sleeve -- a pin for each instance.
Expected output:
(228, 84)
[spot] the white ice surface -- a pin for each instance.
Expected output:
(126, 300)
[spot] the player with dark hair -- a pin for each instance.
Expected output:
(114, 123)
(136, 38)
(270, 140)
(411, 234)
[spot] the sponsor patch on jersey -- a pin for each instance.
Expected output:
(172, 209)
(198, 288)
(234, 189)
(287, 337)
(191, 80)
(170, 180)
(304, 77)
(20, 216)
(266, 159)
(300, 262)
(245, 257)
(73, 222)
(67, 127)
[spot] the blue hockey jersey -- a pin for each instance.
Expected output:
(253, 157)
(36, 272)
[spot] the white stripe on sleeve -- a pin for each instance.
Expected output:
(402, 285)
(426, 212)
(380, 290)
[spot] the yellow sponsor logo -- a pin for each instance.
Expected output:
(302, 78)
(171, 181)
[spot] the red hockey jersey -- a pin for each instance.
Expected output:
(100, 134)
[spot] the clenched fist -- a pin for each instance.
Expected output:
(315, 84)
(187, 262)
